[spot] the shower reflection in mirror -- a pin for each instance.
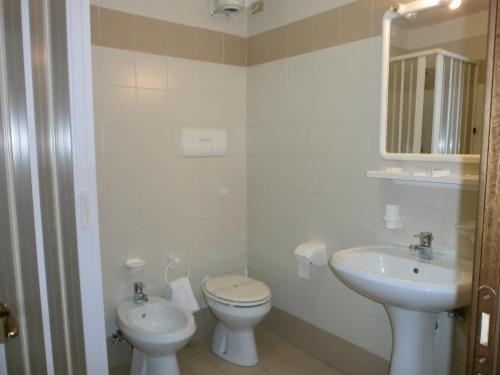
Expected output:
(435, 92)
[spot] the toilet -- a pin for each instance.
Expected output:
(239, 303)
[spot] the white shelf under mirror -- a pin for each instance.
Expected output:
(465, 181)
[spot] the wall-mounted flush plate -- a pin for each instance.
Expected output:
(198, 143)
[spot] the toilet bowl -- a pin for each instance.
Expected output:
(239, 304)
(157, 329)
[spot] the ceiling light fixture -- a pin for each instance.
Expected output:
(420, 5)
(455, 4)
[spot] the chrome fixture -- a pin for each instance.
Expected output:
(139, 296)
(424, 246)
(117, 337)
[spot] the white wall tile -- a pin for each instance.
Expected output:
(119, 142)
(234, 171)
(378, 336)
(183, 75)
(151, 71)
(152, 202)
(233, 110)
(115, 104)
(210, 78)
(184, 108)
(300, 89)
(113, 66)
(151, 107)
(236, 141)
(210, 110)
(233, 81)
(312, 135)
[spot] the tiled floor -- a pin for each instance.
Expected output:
(277, 357)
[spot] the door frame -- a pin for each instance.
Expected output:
(85, 186)
(486, 279)
(81, 102)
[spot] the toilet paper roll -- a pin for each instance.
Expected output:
(303, 267)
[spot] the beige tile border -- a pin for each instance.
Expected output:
(355, 21)
(330, 349)
(348, 23)
(115, 29)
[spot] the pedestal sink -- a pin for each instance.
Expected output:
(413, 291)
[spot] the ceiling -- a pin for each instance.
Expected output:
(441, 14)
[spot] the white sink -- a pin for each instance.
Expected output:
(413, 291)
(392, 275)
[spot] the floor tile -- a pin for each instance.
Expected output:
(277, 354)
(213, 359)
(188, 351)
(231, 369)
(328, 371)
(214, 372)
(201, 345)
(306, 362)
(195, 365)
(277, 357)
(265, 337)
(120, 370)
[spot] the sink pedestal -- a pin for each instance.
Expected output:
(412, 341)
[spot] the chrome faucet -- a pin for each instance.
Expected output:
(424, 246)
(139, 296)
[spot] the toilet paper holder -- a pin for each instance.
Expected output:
(314, 251)
(311, 252)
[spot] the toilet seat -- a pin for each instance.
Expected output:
(236, 291)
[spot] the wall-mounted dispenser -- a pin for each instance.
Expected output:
(310, 252)
(391, 218)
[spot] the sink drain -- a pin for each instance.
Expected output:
(416, 270)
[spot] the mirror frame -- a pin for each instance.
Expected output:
(389, 16)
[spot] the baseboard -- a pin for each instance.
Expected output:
(330, 349)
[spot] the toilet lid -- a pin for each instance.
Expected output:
(237, 289)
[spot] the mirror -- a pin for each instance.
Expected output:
(433, 82)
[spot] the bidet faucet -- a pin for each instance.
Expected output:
(139, 296)
(425, 245)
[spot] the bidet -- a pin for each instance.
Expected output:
(157, 329)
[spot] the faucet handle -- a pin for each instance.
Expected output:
(138, 286)
(425, 238)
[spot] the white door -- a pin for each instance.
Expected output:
(51, 318)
